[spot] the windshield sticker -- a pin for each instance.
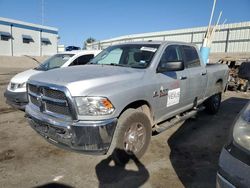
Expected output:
(173, 97)
(149, 49)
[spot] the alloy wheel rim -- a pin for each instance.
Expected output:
(134, 138)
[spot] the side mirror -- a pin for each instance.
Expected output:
(170, 66)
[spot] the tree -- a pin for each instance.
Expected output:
(88, 41)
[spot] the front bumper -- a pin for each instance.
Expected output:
(92, 137)
(16, 99)
(221, 182)
(232, 171)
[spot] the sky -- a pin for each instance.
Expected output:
(78, 20)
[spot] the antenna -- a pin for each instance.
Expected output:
(42, 12)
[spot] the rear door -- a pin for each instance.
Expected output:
(172, 86)
(197, 75)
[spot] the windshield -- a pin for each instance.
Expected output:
(127, 55)
(53, 62)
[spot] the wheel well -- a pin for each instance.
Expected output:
(219, 81)
(220, 84)
(139, 104)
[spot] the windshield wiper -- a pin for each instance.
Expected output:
(119, 65)
(110, 64)
(138, 67)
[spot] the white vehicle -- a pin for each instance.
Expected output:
(16, 91)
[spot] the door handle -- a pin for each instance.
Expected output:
(183, 77)
(203, 74)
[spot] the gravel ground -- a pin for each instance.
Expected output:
(186, 155)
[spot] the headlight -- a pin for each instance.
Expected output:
(93, 106)
(22, 85)
(241, 130)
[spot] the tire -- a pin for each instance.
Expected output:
(213, 104)
(132, 136)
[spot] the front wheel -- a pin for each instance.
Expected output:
(132, 136)
(213, 103)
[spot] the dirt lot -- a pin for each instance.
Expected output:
(184, 156)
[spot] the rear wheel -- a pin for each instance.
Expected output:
(132, 136)
(213, 104)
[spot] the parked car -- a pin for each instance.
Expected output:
(125, 93)
(234, 162)
(16, 90)
(71, 48)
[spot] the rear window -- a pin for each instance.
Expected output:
(191, 57)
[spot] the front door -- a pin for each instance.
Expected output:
(172, 86)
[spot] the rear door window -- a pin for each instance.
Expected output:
(191, 56)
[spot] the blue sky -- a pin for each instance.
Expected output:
(103, 19)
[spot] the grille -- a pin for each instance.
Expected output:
(49, 100)
(57, 109)
(55, 94)
(33, 89)
(34, 101)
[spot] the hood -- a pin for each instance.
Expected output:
(80, 80)
(24, 76)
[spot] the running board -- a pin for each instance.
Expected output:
(177, 119)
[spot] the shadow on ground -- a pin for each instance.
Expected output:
(196, 145)
(53, 185)
(113, 174)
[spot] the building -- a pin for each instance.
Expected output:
(229, 38)
(60, 48)
(19, 38)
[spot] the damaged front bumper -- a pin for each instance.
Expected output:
(93, 137)
(16, 99)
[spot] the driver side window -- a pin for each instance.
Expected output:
(171, 54)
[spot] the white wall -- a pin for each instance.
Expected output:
(33, 48)
(236, 40)
(49, 49)
(5, 46)
(20, 48)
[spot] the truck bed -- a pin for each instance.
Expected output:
(215, 73)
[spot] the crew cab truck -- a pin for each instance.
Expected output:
(124, 94)
(16, 94)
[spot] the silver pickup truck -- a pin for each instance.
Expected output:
(124, 94)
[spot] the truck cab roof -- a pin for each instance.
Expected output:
(158, 42)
